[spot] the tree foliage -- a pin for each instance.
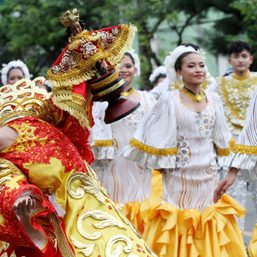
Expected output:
(30, 29)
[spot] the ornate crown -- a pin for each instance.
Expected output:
(69, 17)
(25, 98)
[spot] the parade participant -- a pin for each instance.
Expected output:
(170, 84)
(158, 75)
(235, 91)
(123, 179)
(13, 71)
(51, 203)
(245, 159)
(183, 136)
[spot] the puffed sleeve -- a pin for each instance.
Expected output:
(154, 144)
(102, 142)
(222, 137)
(245, 157)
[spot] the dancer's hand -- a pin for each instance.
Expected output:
(24, 205)
(225, 184)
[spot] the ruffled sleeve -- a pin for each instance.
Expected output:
(154, 144)
(222, 138)
(245, 157)
(102, 142)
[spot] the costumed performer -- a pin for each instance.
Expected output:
(183, 136)
(51, 203)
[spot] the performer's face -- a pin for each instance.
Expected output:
(14, 75)
(241, 61)
(127, 69)
(192, 69)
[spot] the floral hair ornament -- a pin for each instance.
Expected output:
(12, 65)
(136, 60)
(161, 70)
(69, 17)
(171, 59)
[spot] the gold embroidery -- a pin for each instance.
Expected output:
(236, 93)
(25, 98)
(86, 185)
(86, 249)
(152, 150)
(109, 252)
(106, 220)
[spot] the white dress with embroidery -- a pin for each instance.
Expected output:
(184, 144)
(123, 179)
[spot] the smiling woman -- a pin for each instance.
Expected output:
(14, 71)
(183, 136)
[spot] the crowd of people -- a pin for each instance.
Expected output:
(167, 176)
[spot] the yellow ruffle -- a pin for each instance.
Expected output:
(252, 249)
(137, 212)
(172, 232)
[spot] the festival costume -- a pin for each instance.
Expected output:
(118, 172)
(50, 160)
(124, 180)
(236, 93)
(184, 145)
(245, 157)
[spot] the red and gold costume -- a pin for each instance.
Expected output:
(50, 161)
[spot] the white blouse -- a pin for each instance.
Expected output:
(123, 179)
(184, 144)
(245, 157)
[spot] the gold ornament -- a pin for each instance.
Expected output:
(25, 98)
(69, 17)
(195, 97)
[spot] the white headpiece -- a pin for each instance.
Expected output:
(171, 59)
(14, 64)
(135, 59)
(161, 70)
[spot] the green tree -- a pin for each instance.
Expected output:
(30, 29)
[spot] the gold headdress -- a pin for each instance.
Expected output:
(69, 17)
(25, 98)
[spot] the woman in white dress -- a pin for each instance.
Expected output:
(123, 179)
(183, 136)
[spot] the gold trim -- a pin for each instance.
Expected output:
(109, 90)
(245, 149)
(109, 79)
(152, 150)
(244, 77)
(129, 92)
(74, 104)
(103, 143)
(225, 151)
(195, 97)
(63, 244)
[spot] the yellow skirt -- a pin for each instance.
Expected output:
(252, 249)
(137, 212)
(172, 232)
